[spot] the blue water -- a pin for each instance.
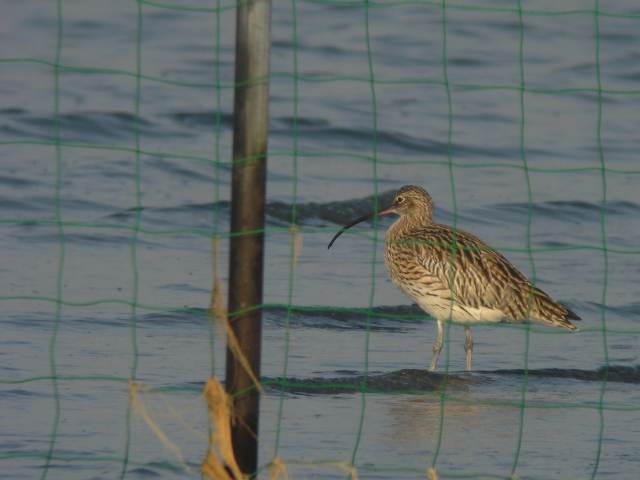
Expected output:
(348, 148)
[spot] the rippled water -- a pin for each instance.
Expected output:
(329, 159)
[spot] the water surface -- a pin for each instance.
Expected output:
(106, 239)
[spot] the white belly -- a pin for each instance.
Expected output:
(441, 309)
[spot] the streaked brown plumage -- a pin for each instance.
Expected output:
(452, 274)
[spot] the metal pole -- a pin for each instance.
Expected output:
(250, 129)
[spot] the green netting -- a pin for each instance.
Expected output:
(56, 147)
(61, 243)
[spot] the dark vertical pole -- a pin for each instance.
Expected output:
(253, 25)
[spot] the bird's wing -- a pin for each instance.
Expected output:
(475, 275)
(466, 270)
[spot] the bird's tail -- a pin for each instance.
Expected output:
(546, 311)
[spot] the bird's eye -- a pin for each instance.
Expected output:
(399, 199)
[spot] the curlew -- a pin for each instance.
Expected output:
(454, 276)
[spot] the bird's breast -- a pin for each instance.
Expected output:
(420, 279)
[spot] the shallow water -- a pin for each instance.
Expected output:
(344, 366)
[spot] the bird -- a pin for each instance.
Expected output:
(454, 276)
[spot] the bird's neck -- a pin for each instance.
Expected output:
(406, 224)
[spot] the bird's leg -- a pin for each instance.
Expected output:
(468, 347)
(437, 346)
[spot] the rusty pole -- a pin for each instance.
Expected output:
(250, 130)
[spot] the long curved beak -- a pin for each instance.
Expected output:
(369, 216)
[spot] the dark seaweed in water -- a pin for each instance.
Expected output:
(418, 380)
(401, 381)
(613, 373)
(338, 212)
(344, 211)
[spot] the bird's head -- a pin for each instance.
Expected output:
(410, 201)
